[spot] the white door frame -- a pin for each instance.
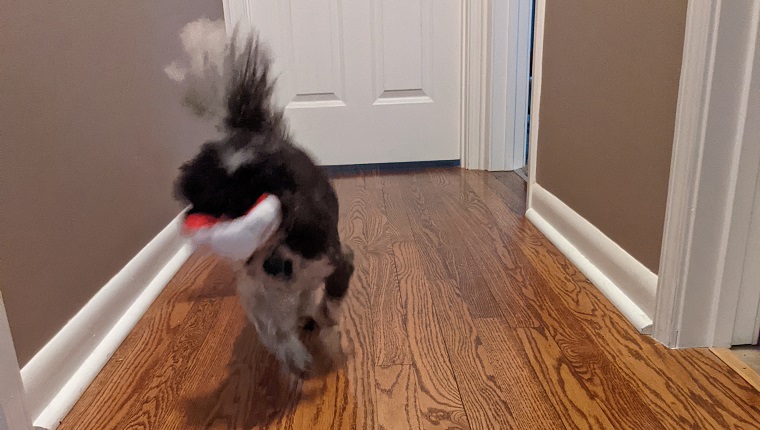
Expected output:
(476, 64)
(535, 105)
(495, 70)
(714, 168)
(13, 413)
(511, 22)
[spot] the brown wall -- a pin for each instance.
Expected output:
(608, 101)
(92, 133)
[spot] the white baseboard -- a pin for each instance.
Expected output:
(58, 375)
(627, 283)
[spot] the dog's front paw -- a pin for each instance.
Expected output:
(294, 355)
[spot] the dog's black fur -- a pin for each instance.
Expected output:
(272, 164)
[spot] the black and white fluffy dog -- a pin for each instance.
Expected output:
(299, 278)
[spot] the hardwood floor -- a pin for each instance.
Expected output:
(461, 315)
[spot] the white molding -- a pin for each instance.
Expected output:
(747, 321)
(510, 70)
(740, 307)
(535, 106)
(707, 219)
(58, 375)
(13, 411)
(476, 61)
(691, 112)
(627, 283)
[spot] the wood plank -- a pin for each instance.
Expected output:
(481, 395)
(438, 398)
(527, 397)
(368, 231)
(515, 199)
(570, 396)
(389, 310)
(397, 403)
(160, 384)
(437, 395)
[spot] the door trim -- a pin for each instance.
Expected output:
(475, 86)
(13, 409)
(495, 70)
(535, 104)
(706, 220)
(510, 73)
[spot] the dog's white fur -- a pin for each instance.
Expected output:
(277, 307)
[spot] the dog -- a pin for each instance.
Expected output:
(299, 278)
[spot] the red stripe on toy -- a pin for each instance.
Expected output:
(261, 199)
(198, 221)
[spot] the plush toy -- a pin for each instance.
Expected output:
(238, 238)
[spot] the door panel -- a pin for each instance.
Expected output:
(365, 81)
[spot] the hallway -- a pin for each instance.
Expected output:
(460, 315)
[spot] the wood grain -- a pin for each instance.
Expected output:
(235, 383)
(461, 316)
(522, 387)
(389, 310)
(438, 397)
(368, 231)
(569, 395)
(397, 403)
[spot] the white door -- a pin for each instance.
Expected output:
(364, 81)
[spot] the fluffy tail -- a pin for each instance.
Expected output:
(227, 79)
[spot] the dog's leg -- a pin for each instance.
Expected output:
(281, 337)
(336, 287)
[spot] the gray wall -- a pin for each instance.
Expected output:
(92, 133)
(608, 101)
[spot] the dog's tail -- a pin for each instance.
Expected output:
(249, 94)
(227, 78)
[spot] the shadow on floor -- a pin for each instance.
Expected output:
(256, 392)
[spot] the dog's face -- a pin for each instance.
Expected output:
(227, 177)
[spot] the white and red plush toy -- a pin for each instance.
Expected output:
(238, 238)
